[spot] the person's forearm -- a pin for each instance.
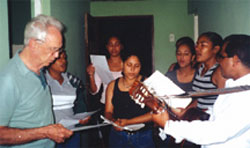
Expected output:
(109, 116)
(192, 104)
(12, 136)
(140, 119)
(93, 87)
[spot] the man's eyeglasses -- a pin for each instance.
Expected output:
(52, 49)
(221, 57)
(55, 49)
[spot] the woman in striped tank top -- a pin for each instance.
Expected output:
(208, 75)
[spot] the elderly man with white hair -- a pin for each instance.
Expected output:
(26, 118)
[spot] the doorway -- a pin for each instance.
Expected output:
(135, 32)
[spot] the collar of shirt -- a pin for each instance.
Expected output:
(57, 89)
(27, 72)
(245, 80)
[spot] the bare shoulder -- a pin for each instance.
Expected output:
(111, 84)
(109, 91)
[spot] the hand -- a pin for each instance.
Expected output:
(57, 132)
(91, 70)
(178, 111)
(120, 122)
(161, 118)
(85, 121)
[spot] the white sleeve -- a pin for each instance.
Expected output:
(192, 131)
(98, 83)
(229, 121)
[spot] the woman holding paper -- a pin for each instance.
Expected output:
(115, 64)
(67, 95)
(122, 110)
(114, 48)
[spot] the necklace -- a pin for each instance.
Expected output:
(126, 86)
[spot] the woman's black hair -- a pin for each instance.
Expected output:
(214, 37)
(111, 36)
(128, 54)
(186, 41)
(106, 43)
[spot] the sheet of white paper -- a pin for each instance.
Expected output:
(87, 127)
(135, 127)
(132, 127)
(68, 122)
(72, 121)
(102, 68)
(163, 87)
(84, 115)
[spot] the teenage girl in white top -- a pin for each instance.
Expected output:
(115, 64)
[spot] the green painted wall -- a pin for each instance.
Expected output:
(170, 16)
(71, 13)
(222, 16)
(46, 7)
(4, 36)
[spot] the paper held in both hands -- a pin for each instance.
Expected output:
(162, 87)
(102, 68)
